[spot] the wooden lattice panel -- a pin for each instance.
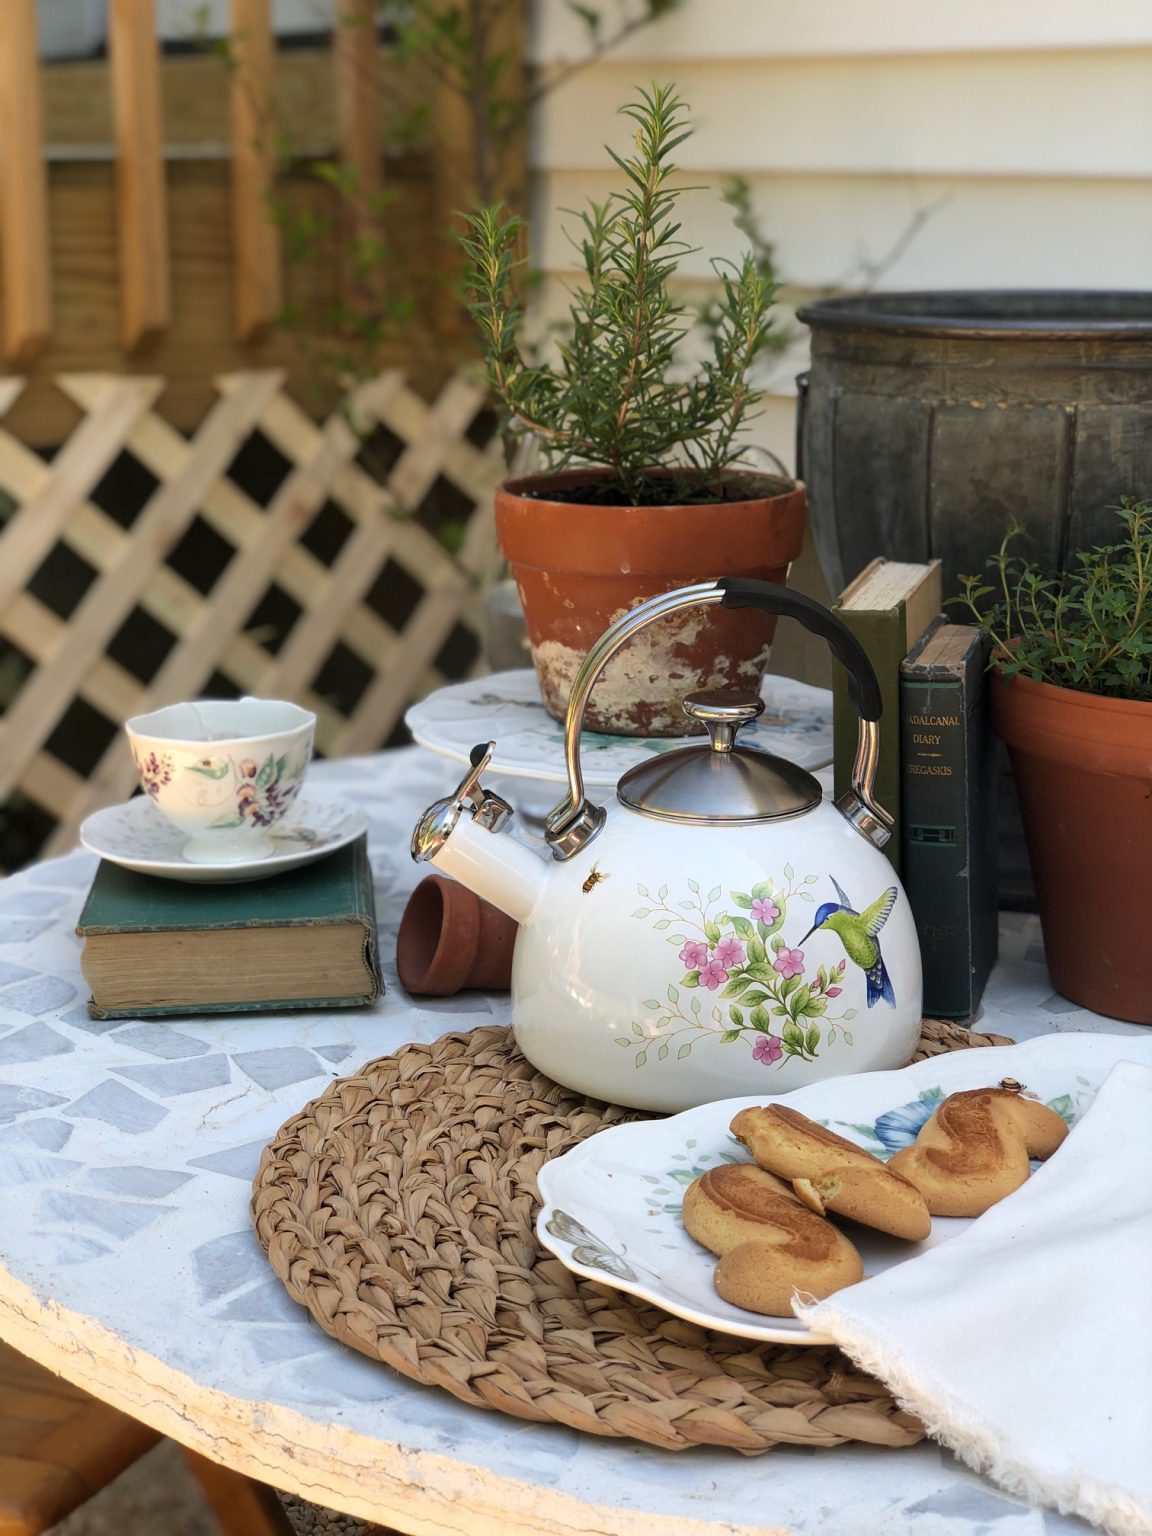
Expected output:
(382, 597)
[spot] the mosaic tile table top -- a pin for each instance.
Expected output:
(127, 1262)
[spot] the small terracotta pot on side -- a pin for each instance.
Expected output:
(578, 568)
(1083, 768)
(451, 941)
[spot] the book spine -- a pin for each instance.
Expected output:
(881, 634)
(366, 905)
(947, 854)
(983, 870)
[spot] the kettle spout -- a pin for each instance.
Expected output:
(460, 835)
(496, 867)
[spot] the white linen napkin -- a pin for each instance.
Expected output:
(1025, 1342)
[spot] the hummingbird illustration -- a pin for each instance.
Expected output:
(857, 932)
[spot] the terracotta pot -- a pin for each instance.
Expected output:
(578, 568)
(1083, 768)
(450, 940)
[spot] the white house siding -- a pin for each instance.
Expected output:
(955, 143)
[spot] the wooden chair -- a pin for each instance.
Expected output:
(58, 1447)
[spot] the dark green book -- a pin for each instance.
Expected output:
(949, 853)
(888, 607)
(305, 939)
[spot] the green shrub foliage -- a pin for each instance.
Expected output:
(1090, 629)
(614, 397)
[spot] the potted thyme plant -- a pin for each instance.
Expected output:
(645, 487)
(1071, 695)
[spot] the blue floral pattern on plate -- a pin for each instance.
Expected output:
(898, 1128)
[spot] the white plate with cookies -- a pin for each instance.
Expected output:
(613, 1207)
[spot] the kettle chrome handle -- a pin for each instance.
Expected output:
(575, 821)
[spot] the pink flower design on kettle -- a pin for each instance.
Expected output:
(742, 978)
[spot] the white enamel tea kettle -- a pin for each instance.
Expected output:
(723, 930)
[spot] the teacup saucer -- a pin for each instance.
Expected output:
(136, 836)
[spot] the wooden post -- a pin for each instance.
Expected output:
(145, 304)
(258, 289)
(473, 163)
(355, 56)
(24, 248)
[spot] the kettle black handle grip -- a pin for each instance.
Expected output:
(863, 688)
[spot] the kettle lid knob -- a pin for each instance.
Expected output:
(722, 713)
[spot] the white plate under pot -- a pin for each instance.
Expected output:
(506, 708)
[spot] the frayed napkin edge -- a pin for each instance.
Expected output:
(955, 1425)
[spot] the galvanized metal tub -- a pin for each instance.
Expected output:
(930, 422)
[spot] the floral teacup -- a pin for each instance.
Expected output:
(223, 771)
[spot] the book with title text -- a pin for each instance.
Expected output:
(948, 823)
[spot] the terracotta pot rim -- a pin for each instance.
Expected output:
(518, 487)
(1056, 697)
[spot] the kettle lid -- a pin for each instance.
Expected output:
(723, 782)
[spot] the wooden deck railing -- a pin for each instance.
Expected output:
(152, 204)
(134, 84)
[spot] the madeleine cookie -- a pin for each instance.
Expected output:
(974, 1149)
(829, 1173)
(768, 1242)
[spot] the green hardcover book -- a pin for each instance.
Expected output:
(888, 607)
(949, 854)
(305, 939)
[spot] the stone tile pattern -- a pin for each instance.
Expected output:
(106, 1093)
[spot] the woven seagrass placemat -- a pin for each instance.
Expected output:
(399, 1207)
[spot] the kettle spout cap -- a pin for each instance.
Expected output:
(454, 834)
(434, 829)
(488, 810)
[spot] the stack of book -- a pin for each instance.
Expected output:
(305, 939)
(935, 772)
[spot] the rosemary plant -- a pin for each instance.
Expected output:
(614, 398)
(1090, 630)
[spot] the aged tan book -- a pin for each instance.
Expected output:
(888, 607)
